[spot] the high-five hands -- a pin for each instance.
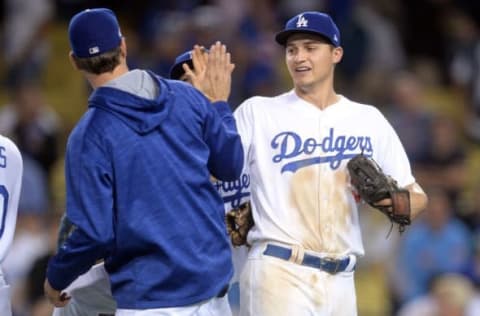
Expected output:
(212, 72)
(196, 75)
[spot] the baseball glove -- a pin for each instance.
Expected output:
(239, 221)
(374, 186)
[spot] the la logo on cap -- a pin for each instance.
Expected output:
(302, 22)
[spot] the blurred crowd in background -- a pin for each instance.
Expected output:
(418, 61)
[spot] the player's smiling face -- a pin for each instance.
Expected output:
(310, 59)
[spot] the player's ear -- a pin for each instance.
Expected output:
(123, 47)
(337, 54)
(72, 60)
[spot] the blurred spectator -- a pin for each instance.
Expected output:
(474, 269)
(471, 214)
(259, 79)
(472, 218)
(254, 50)
(34, 198)
(289, 8)
(437, 243)
(464, 47)
(259, 18)
(170, 37)
(440, 98)
(444, 162)
(35, 299)
(32, 123)
(450, 295)
(385, 51)
(408, 115)
(26, 42)
(423, 29)
(207, 25)
(356, 42)
(370, 87)
(233, 11)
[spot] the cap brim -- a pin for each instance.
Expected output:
(177, 70)
(283, 36)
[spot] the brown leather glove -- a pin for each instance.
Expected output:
(373, 186)
(239, 221)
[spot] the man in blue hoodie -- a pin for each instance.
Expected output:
(138, 166)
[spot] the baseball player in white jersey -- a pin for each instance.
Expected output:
(306, 237)
(11, 170)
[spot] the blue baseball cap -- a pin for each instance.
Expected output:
(176, 71)
(93, 32)
(311, 22)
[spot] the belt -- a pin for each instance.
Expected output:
(329, 265)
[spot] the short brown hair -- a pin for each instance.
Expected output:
(100, 64)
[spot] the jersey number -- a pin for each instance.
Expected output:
(3, 208)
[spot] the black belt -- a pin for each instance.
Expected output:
(329, 265)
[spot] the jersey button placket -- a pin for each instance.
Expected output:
(320, 153)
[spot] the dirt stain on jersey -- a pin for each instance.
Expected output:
(285, 288)
(275, 282)
(340, 195)
(318, 287)
(304, 193)
(319, 197)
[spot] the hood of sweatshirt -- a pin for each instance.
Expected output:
(141, 114)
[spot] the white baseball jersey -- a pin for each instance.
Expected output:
(296, 155)
(11, 170)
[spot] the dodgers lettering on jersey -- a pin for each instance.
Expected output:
(291, 145)
(234, 193)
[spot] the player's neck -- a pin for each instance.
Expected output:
(321, 97)
(100, 80)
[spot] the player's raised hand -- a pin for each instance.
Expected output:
(196, 76)
(218, 75)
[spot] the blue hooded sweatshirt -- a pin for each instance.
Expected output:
(139, 194)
